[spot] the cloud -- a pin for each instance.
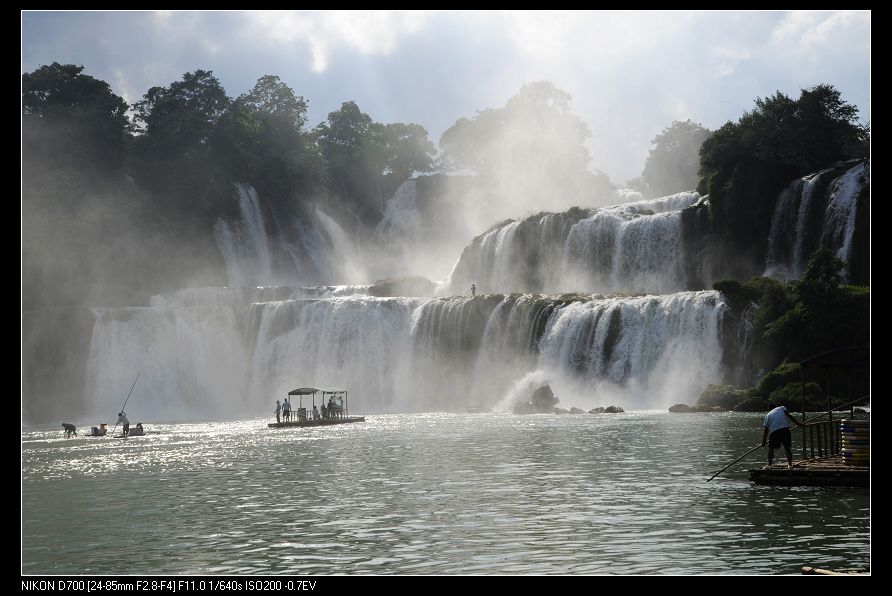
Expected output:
(370, 33)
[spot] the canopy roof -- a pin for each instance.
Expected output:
(304, 391)
(312, 390)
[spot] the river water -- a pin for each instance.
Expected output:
(429, 494)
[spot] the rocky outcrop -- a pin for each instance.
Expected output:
(412, 285)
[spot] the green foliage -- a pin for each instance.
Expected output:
(276, 102)
(71, 119)
(815, 315)
(826, 316)
(674, 160)
(752, 404)
(179, 118)
(736, 293)
(368, 160)
(744, 165)
(407, 150)
(173, 154)
(260, 139)
(790, 395)
(787, 372)
(724, 396)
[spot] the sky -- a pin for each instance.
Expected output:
(630, 74)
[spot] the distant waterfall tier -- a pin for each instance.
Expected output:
(813, 211)
(407, 354)
(634, 247)
(264, 247)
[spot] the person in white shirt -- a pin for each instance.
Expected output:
(779, 430)
(278, 410)
(122, 419)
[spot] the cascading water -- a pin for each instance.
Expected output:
(307, 249)
(405, 354)
(634, 247)
(814, 211)
(402, 224)
(244, 244)
(839, 221)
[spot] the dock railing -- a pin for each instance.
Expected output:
(821, 439)
(824, 438)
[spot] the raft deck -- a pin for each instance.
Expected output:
(827, 471)
(320, 422)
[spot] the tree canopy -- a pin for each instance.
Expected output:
(745, 164)
(72, 118)
(534, 141)
(674, 160)
(367, 160)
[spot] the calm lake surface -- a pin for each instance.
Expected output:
(429, 493)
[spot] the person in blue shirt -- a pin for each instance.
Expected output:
(777, 432)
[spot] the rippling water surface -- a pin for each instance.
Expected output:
(428, 493)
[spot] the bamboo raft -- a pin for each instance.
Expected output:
(828, 471)
(320, 422)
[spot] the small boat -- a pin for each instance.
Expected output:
(136, 431)
(98, 431)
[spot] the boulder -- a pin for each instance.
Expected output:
(681, 409)
(412, 285)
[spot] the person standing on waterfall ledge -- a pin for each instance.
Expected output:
(776, 426)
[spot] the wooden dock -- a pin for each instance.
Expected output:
(827, 471)
(320, 422)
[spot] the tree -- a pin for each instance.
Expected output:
(72, 118)
(407, 149)
(532, 145)
(180, 118)
(744, 165)
(353, 155)
(277, 102)
(260, 139)
(177, 123)
(674, 160)
(827, 315)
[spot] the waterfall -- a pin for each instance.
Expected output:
(403, 354)
(839, 221)
(346, 263)
(633, 247)
(815, 210)
(401, 225)
(244, 244)
(191, 358)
